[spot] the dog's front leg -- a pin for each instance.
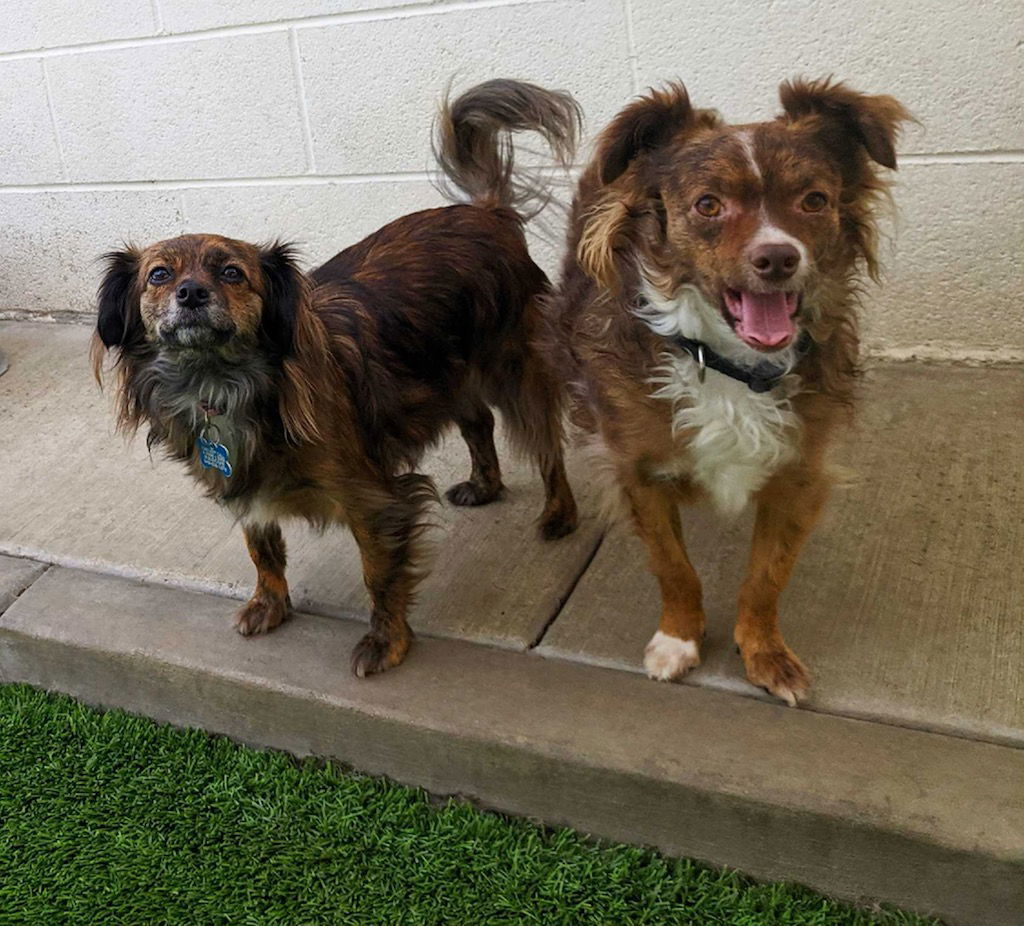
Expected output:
(270, 603)
(675, 648)
(787, 509)
(387, 533)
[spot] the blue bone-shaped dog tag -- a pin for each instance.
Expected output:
(213, 455)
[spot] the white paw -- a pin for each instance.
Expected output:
(668, 657)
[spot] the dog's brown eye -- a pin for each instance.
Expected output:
(159, 275)
(814, 202)
(232, 274)
(709, 206)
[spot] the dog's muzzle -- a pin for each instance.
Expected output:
(195, 326)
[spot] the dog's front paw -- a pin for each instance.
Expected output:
(262, 614)
(470, 493)
(776, 668)
(667, 657)
(376, 652)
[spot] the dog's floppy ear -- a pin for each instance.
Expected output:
(284, 288)
(645, 124)
(296, 338)
(845, 115)
(860, 131)
(603, 235)
(117, 316)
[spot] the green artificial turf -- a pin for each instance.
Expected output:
(108, 818)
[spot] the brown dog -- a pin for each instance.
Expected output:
(707, 318)
(314, 397)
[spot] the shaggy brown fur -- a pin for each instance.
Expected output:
(327, 388)
(667, 238)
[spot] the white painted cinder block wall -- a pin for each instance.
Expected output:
(310, 119)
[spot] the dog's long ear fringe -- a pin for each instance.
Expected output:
(284, 285)
(643, 127)
(294, 335)
(118, 322)
(602, 237)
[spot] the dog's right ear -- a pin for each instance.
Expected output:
(647, 124)
(118, 316)
(644, 125)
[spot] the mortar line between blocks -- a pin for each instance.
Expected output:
(398, 11)
(634, 67)
(199, 182)
(996, 156)
(158, 20)
(300, 84)
(921, 160)
(53, 122)
(564, 600)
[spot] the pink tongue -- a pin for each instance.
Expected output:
(765, 318)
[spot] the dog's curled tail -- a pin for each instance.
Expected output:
(473, 141)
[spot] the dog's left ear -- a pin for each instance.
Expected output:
(294, 337)
(845, 116)
(284, 288)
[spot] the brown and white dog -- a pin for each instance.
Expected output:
(314, 396)
(707, 318)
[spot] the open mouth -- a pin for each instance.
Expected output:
(764, 321)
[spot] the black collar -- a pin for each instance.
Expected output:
(761, 378)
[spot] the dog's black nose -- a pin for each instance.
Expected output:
(191, 295)
(775, 261)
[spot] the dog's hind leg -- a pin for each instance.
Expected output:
(484, 483)
(270, 603)
(531, 406)
(534, 417)
(388, 530)
(787, 509)
(559, 516)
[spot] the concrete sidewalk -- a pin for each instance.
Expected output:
(901, 780)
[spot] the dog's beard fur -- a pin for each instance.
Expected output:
(172, 387)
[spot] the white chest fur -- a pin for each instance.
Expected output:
(734, 438)
(731, 439)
